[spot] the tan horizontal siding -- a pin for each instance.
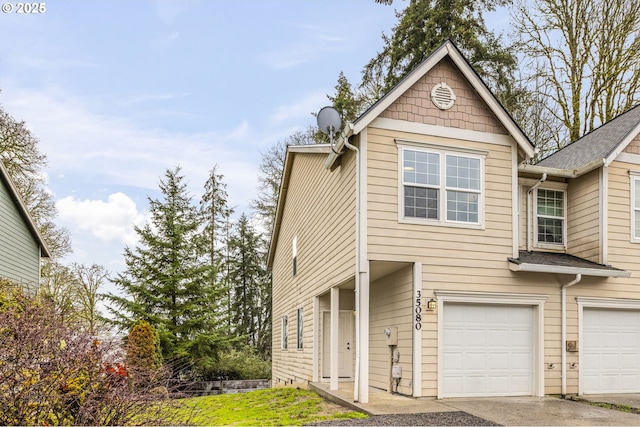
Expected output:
(389, 239)
(325, 228)
(391, 306)
(583, 216)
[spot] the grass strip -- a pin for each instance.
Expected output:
(270, 407)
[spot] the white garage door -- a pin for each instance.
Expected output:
(611, 351)
(488, 350)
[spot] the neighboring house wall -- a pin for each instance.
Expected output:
(19, 252)
(583, 216)
(319, 213)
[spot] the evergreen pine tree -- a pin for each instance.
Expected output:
(251, 303)
(165, 281)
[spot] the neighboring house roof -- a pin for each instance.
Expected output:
(448, 48)
(284, 188)
(24, 212)
(549, 262)
(599, 147)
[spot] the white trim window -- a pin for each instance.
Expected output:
(285, 332)
(300, 328)
(635, 206)
(294, 256)
(551, 215)
(440, 191)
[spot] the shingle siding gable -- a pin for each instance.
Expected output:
(469, 111)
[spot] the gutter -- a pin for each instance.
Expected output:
(563, 173)
(337, 149)
(563, 338)
(343, 141)
(530, 208)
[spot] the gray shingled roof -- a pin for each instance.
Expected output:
(567, 261)
(597, 144)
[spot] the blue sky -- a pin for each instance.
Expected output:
(118, 91)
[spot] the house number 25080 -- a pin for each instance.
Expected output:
(418, 310)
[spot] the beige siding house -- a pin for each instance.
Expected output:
(21, 245)
(422, 254)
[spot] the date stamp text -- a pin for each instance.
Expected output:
(24, 8)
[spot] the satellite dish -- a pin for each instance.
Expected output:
(329, 121)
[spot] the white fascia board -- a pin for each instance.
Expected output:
(401, 88)
(497, 109)
(336, 151)
(282, 196)
(563, 173)
(442, 131)
(557, 269)
(310, 148)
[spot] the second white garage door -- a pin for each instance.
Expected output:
(611, 351)
(488, 350)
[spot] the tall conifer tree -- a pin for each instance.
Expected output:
(251, 288)
(165, 282)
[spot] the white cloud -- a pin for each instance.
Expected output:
(115, 151)
(108, 221)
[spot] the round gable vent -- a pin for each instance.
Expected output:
(442, 96)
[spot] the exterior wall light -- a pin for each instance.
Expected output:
(432, 304)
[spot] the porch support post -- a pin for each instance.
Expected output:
(417, 329)
(364, 337)
(333, 350)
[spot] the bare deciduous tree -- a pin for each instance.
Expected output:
(586, 56)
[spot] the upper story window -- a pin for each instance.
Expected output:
(550, 217)
(635, 206)
(441, 186)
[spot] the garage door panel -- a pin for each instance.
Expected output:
(611, 353)
(488, 350)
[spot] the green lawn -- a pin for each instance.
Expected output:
(271, 407)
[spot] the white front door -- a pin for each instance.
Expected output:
(345, 344)
(611, 351)
(488, 350)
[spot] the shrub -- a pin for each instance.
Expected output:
(240, 364)
(143, 358)
(54, 374)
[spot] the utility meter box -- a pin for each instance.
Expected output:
(391, 335)
(396, 371)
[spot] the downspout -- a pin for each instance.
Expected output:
(564, 332)
(356, 383)
(530, 208)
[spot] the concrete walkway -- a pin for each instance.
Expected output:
(509, 411)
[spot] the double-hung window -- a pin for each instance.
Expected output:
(550, 217)
(440, 186)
